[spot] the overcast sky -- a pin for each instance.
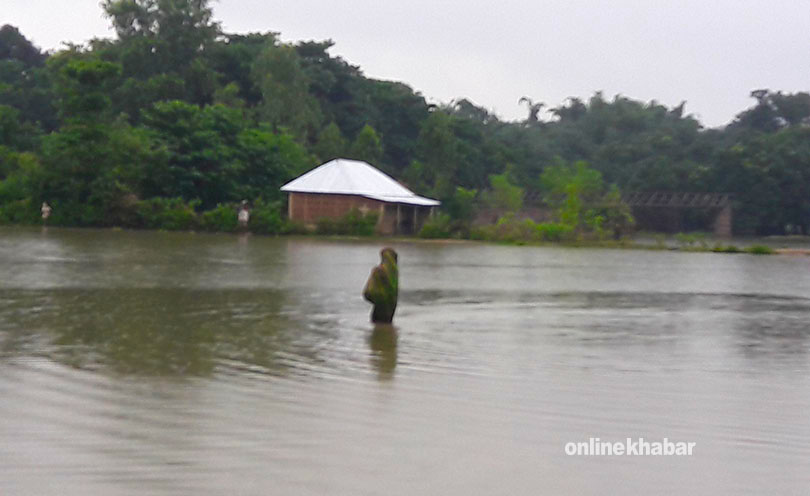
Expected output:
(711, 53)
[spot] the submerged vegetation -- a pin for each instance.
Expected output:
(174, 121)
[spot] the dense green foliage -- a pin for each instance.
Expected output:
(583, 203)
(174, 121)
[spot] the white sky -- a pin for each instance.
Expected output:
(711, 53)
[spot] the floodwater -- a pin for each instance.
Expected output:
(150, 363)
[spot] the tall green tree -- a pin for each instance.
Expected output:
(175, 31)
(24, 81)
(15, 46)
(438, 154)
(214, 156)
(202, 155)
(367, 146)
(330, 144)
(286, 102)
(94, 165)
(83, 90)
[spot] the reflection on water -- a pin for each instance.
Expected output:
(166, 363)
(383, 344)
(150, 331)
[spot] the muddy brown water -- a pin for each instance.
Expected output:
(175, 363)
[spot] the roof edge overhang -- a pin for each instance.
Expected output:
(406, 200)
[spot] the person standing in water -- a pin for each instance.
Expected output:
(382, 288)
(46, 212)
(243, 216)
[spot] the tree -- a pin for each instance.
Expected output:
(24, 81)
(9, 126)
(232, 59)
(573, 190)
(84, 86)
(534, 110)
(574, 111)
(794, 108)
(469, 111)
(20, 178)
(15, 46)
(437, 150)
(267, 160)
(91, 175)
(770, 177)
(177, 31)
(93, 161)
(286, 102)
(504, 195)
(366, 146)
(461, 206)
(215, 157)
(330, 143)
(201, 146)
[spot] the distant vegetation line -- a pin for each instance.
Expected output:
(175, 118)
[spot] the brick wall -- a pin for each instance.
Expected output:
(307, 208)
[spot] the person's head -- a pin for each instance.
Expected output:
(388, 254)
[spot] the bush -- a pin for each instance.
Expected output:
(481, 233)
(759, 250)
(690, 240)
(660, 241)
(509, 229)
(74, 214)
(461, 206)
(223, 218)
(293, 227)
(122, 211)
(719, 248)
(265, 218)
(19, 212)
(552, 231)
(357, 224)
(436, 228)
(326, 226)
(172, 214)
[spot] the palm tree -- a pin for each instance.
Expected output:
(534, 109)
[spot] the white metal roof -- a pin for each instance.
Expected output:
(353, 177)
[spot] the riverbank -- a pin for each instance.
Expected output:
(774, 245)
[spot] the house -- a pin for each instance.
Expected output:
(340, 185)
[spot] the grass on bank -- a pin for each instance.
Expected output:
(173, 214)
(509, 230)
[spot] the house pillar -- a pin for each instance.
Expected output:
(722, 223)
